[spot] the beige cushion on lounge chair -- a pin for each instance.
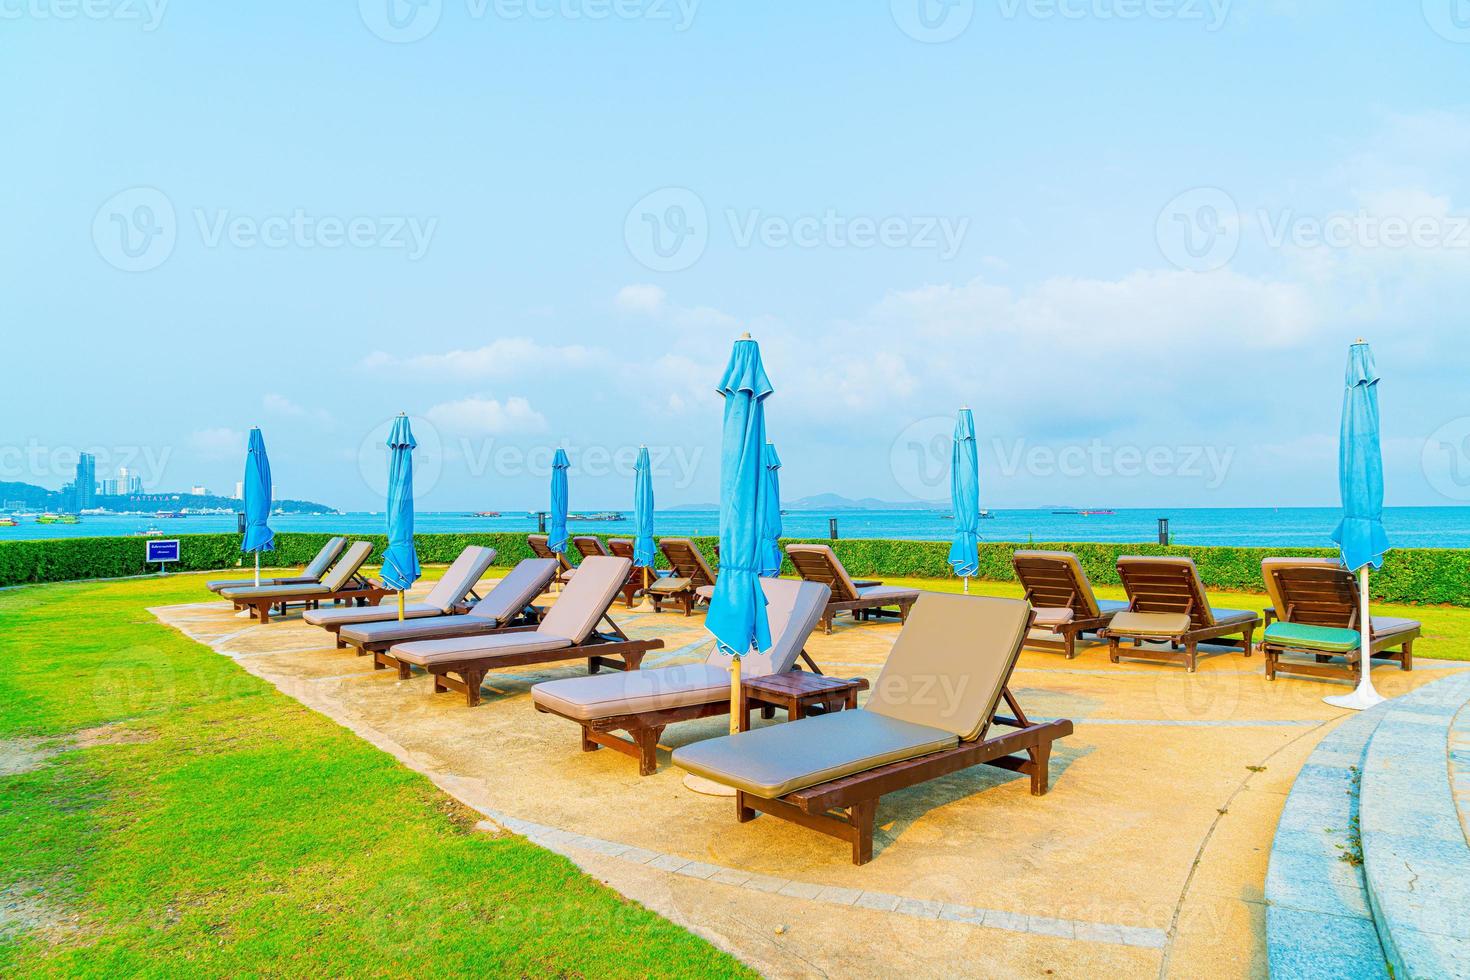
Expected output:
(457, 582)
(705, 592)
(941, 683)
(950, 661)
(1389, 625)
(892, 593)
(793, 609)
(350, 564)
(313, 572)
(426, 653)
(569, 622)
(345, 616)
(779, 759)
(503, 603)
(668, 585)
(1053, 617)
(1149, 624)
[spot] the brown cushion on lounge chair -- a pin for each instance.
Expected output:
(632, 691)
(1149, 624)
(892, 592)
(356, 615)
(426, 653)
(422, 628)
(577, 610)
(517, 590)
(311, 573)
(773, 761)
(706, 592)
(220, 584)
(950, 661)
(669, 585)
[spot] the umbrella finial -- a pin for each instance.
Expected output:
(745, 335)
(1360, 340)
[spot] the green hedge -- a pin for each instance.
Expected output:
(1424, 575)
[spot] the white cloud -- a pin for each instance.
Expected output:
(506, 357)
(281, 405)
(481, 416)
(640, 298)
(218, 443)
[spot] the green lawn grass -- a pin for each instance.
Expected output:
(192, 820)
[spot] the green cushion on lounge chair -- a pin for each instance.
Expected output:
(1328, 639)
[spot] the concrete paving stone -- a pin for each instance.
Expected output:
(919, 909)
(730, 876)
(765, 883)
(878, 901)
(951, 912)
(698, 869)
(1430, 955)
(638, 855)
(668, 862)
(834, 895)
(1042, 926)
(801, 889)
(1316, 882)
(1310, 946)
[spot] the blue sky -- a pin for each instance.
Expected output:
(1135, 236)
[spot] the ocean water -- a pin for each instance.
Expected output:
(1408, 527)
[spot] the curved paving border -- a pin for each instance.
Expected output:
(1318, 920)
(1415, 853)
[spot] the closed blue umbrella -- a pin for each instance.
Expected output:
(737, 613)
(643, 549)
(1360, 533)
(258, 534)
(401, 560)
(964, 496)
(771, 529)
(557, 539)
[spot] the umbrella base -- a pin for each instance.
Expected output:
(707, 787)
(1359, 700)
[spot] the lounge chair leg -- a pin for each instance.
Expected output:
(862, 830)
(472, 678)
(743, 813)
(594, 664)
(1191, 656)
(1113, 649)
(1041, 769)
(647, 739)
(1247, 642)
(1071, 641)
(1408, 662)
(405, 672)
(587, 744)
(827, 624)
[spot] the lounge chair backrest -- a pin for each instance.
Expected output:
(1056, 580)
(460, 577)
(687, 561)
(586, 598)
(793, 608)
(621, 547)
(539, 547)
(951, 662)
(349, 565)
(588, 545)
(519, 588)
(324, 559)
(1269, 566)
(1316, 595)
(1166, 584)
(819, 563)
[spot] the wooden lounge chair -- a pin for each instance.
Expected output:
(508, 603)
(541, 549)
(1268, 565)
(343, 583)
(568, 631)
(644, 702)
(692, 581)
(590, 546)
(929, 715)
(819, 563)
(1319, 609)
(448, 597)
(1167, 603)
(311, 574)
(1061, 594)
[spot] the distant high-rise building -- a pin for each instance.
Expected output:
(109, 488)
(128, 482)
(198, 490)
(84, 489)
(239, 490)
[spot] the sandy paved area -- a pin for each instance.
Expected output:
(1147, 858)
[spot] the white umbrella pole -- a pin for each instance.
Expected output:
(647, 604)
(708, 787)
(1364, 696)
(967, 585)
(257, 569)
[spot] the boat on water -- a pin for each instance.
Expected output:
(58, 519)
(152, 532)
(170, 515)
(486, 513)
(9, 522)
(606, 515)
(1093, 512)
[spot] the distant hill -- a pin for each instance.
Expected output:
(833, 501)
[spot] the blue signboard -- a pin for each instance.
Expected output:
(161, 551)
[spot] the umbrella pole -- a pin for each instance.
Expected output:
(257, 569)
(1364, 696)
(647, 604)
(400, 605)
(737, 699)
(967, 585)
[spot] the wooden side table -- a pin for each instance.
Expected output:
(798, 691)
